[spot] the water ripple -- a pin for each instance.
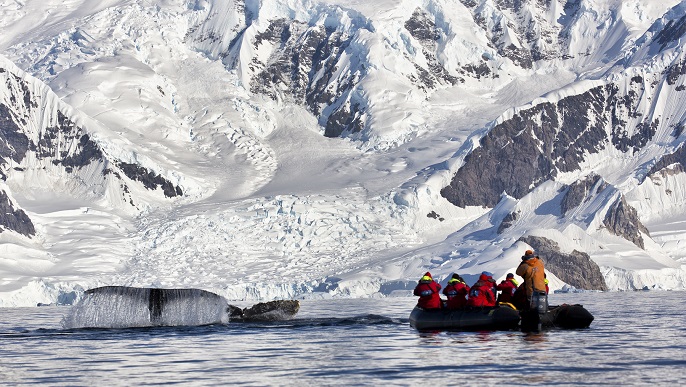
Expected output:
(353, 342)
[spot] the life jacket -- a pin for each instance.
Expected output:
(456, 292)
(428, 292)
(481, 294)
(507, 289)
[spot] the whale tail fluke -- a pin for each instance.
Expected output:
(125, 306)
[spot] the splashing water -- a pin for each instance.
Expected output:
(124, 307)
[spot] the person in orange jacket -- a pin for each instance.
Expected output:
(456, 291)
(482, 293)
(533, 272)
(507, 288)
(428, 291)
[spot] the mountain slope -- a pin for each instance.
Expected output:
(327, 148)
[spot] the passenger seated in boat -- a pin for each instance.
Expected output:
(507, 288)
(547, 288)
(428, 291)
(456, 291)
(482, 293)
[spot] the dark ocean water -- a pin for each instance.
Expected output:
(637, 338)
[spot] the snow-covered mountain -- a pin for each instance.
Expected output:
(272, 149)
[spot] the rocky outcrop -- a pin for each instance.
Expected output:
(76, 149)
(520, 30)
(528, 149)
(13, 143)
(422, 27)
(575, 268)
(622, 220)
(25, 135)
(14, 219)
(434, 215)
(675, 71)
(676, 159)
(672, 31)
(579, 191)
(64, 143)
(149, 179)
(303, 68)
(508, 221)
(537, 143)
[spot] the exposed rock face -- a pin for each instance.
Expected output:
(422, 28)
(576, 269)
(579, 191)
(63, 143)
(321, 68)
(303, 68)
(523, 22)
(622, 220)
(525, 151)
(674, 71)
(149, 179)
(678, 158)
(537, 143)
(76, 148)
(13, 143)
(14, 219)
(508, 221)
(673, 31)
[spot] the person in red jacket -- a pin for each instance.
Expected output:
(428, 291)
(456, 291)
(507, 288)
(482, 294)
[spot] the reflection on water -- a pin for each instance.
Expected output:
(535, 338)
(353, 342)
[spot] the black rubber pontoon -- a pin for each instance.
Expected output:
(567, 317)
(468, 319)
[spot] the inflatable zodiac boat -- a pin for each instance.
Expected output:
(502, 317)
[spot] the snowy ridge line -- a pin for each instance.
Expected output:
(51, 104)
(572, 89)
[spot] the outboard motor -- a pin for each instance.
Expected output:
(538, 307)
(539, 302)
